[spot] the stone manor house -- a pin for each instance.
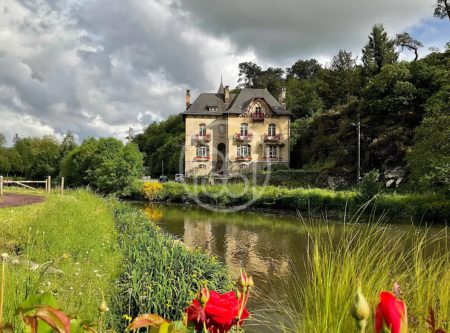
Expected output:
(228, 133)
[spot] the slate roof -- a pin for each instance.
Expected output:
(237, 103)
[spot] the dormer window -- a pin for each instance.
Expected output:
(212, 108)
(258, 109)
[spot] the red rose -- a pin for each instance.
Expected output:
(220, 313)
(195, 314)
(390, 314)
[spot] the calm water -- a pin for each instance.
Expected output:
(271, 248)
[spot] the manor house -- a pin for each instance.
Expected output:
(228, 133)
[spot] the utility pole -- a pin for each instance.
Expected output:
(358, 167)
(162, 168)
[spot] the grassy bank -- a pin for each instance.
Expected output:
(75, 234)
(419, 262)
(160, 275)
(434, 207)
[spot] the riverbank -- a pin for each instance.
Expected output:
(312, 201)
(66, 245)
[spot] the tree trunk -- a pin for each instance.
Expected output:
(417, 54)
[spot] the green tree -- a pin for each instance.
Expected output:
(429, 159)
(442, 9)
(344, 78)
(379, 51)
(2, 140)
(249, 74)
(107, 165)
(305, 69)
(405, 40)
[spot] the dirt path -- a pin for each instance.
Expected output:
(14, 200)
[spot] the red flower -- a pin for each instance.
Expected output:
(390, 314)
(196, 315)
(220, 313)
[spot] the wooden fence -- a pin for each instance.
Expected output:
(28, 184)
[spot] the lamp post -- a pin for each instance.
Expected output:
(358, 163)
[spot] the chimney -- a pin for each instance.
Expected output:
(226, 94)
(282, 97)
(188, 98)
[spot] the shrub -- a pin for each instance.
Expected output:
(152, 191)
(370, 186)
(161, 275)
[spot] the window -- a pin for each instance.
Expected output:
(202, 166)
(272, 151)
(202, 130)
(221, 129)
(244, 129)
(243, 151)
(272, 130)
(258, 109)
(212, 108)
(202, 151)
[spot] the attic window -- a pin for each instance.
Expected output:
(212, 108)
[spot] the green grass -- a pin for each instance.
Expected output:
(315, 201)
(76, 234)
(160, 274)
(377, 257)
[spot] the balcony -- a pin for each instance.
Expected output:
(258, 116)
(243, 138)
(272, 159)
(201, 138)
(243, 158)
(201, 158)
(272, 138)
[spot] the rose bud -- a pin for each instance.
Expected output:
(204, 295)
(360, 310)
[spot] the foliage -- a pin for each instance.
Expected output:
(405, 40)
(442, 9)
(375, 256)
(107, 165)
(71, 243)
(370, 185)
(160, 274)
(429, 158)
(379, 51)
(162, 143)
(35, 158)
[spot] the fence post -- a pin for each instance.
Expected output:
(49, 187)
(62, 185)
(1, 186)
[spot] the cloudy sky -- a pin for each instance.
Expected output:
(96, 67)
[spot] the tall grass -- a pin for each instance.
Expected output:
(377, 256)
(74, 233)
(160, 274)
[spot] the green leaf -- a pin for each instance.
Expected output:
(36, 300)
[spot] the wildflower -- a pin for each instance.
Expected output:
(5, 256)
(204, 296)
(390, 315)
(103, 307)
(360, 310)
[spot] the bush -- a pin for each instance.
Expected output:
(161, 275)
(152, 191)
(107, 165)
(370, 186)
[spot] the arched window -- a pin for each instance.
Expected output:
(202, 130)
(202, 151)
(244, 151)
(244, 129)
(272, 130)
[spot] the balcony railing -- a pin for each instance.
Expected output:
(201, 138)
(258, 116)
(272, 159)
(243, 158)
(240, 137)
(272, 138)
(201, 158)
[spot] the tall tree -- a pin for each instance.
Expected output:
(249, 74)
(405, 40)
(2, 140)
(305, 69)
(442, 9)
(379, 51)
(344, 77)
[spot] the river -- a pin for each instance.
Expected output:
(270, 247)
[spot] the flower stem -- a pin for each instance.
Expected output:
(2, 291)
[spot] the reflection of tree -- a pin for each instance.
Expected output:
(153, 213)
